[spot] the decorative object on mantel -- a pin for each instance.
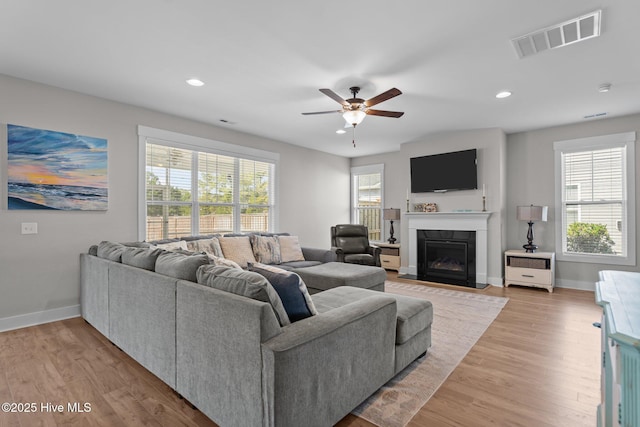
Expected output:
(484, 198)
(531, 214)
(407, 200)
(425, 207)
(391, 215)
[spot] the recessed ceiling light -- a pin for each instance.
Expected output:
(195, 82)
(341, 131)
(605, 87)
(503, 94)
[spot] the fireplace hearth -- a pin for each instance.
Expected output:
(447, 256)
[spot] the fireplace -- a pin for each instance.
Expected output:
(467, 220)
(447, 256)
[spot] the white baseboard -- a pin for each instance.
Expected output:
(575, 284)
(495, 281)
(39, 317)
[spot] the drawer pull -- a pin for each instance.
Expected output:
(597, 325)
(386, 260)
(527, 275)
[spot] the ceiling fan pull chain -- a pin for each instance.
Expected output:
(353, 140)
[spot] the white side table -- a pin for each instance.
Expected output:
(389, 256)
(536, 269)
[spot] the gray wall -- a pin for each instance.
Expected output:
(491, 145)
(530, 169)
(518, 170)
(41, 272)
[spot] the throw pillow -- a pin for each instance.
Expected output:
(141, 257)
(291, 289)
(110, 250)
(172, 246)
(180, 266)
(220, 261)
(210, 246)
(243, 283)
(237, 249)
(266, 249)
(290, 249)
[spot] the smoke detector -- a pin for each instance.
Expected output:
(565, 33)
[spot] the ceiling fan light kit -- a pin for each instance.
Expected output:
(354, 109)
(354, 117)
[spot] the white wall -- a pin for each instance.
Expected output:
(530, 169)
(40, 273)
(491, 146)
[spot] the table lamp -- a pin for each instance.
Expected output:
(391, 215)
(531, 214)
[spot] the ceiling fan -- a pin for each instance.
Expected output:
(355, 109)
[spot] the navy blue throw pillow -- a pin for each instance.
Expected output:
(290, 288)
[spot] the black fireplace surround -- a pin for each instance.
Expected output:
(447, 256)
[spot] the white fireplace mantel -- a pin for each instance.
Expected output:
(468, 221)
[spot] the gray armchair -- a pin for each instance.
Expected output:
(351, 245)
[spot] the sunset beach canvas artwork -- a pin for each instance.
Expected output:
(56, 170)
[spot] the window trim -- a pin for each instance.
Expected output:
(364, 170)
(195, 143)
(627, 140)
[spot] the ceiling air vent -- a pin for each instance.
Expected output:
(565, 33)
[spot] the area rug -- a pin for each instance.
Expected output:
(459, 320)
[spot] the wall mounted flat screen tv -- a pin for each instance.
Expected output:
(445, 172)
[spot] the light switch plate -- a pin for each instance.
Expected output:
(29, 228)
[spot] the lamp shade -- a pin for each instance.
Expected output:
(354, 117)
(532, 213)
(391, 214)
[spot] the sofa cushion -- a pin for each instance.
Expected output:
(290, 250)
(110, 250)
(211, 246)
(266, 249)
(179, 265)
(413, 314)
(237, 249)
(291, 289)
(293, 265)
(141, 257)
(245, 283)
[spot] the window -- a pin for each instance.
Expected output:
(193, 186)
(366, 204)
(595, 199)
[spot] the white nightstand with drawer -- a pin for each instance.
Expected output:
(535, 269)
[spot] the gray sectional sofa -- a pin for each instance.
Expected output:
(230, 355)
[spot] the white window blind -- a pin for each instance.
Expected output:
(594, 185)
(216, 178)
(189, 189)
(168, 189)
(367, 185)
(596, 199)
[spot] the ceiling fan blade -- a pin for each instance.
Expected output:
(331, 94)
(322, 112)
(383, 113)
(382, 97)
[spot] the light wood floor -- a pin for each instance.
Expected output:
(537, 365)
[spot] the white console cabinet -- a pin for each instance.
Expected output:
(618, 293)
